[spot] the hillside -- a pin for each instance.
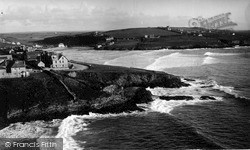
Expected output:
(30, 38)
(139, 32)
(151, 38)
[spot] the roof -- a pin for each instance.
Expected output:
(33, 55)
(2, 64)
(59, 56)
(62, 56)
(5, 56)
(18, 64)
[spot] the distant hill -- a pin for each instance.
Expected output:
(139, 32)
(30, 38)
(135, 39)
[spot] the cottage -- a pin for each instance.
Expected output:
(59, 61)
(109, 38)
(38, 46)
(99, 46)
(5, 57)
(13, 69)
(16, 68)
(111, 43)
(19, 51)
(151, 36)
(29, 49)
(41, 64)
(61, 45)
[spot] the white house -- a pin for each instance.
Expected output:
(38, 46)
(61, 45)
(41, 64)
(109, 38)
(59, 61)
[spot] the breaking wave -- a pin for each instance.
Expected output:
(196, 89)
(164, 106)
(34, 129)
(220, 54)
(160, 63)
(213, 85)
(209, 60)
(174, 60)
(73, 124)
(67, 128)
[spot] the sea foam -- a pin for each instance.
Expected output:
(220, 54)
(73, 124)
(164, 106)
(196, 89)
(209, 60)
(67, 128)
(174, 60)
(34, 129)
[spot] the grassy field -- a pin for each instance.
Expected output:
(134, 38)
(139, 32)
(30, 37)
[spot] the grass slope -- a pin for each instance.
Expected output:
(139, 32)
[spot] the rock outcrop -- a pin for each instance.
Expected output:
(101, 89)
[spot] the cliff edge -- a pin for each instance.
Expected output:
(58, 94)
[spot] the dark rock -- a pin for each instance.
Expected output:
(124, 100)
(187, 79)
(111, 89)
(207, 98)
(176, 97)
(207, 86)
(138, 95)
(101, 89)
(113, 104)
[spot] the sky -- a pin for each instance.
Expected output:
(98, 15)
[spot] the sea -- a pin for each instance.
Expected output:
(219, 123)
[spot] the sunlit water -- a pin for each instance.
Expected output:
(222, 123)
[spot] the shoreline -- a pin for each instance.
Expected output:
(170, 49)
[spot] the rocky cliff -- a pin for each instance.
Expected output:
(100, 89)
